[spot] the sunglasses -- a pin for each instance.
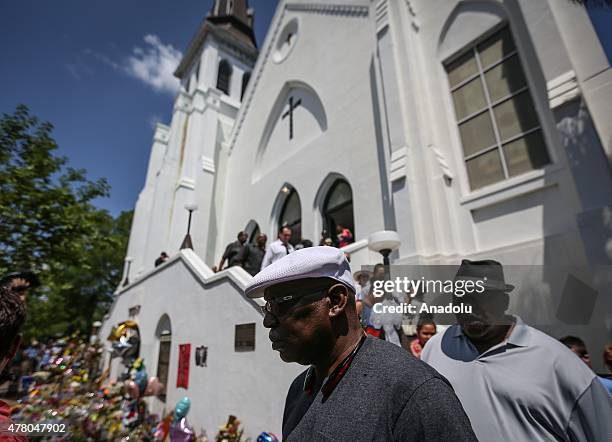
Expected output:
(281, 306)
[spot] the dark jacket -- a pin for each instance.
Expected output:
(386, 395)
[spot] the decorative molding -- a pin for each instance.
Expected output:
(382, 15)
(562, 89)
(441, 159)
(333, 9)
(212, 98)
(208, 165)
(183, 101)
(239, 48)
(397, 169)
(186, 183)
(228, 46)
(162, 133)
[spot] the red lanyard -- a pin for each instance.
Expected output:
(335, 377)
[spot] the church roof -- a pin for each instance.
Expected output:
(229, 22)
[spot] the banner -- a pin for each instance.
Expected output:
(182, 379)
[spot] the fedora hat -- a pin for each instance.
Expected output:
(489, 271)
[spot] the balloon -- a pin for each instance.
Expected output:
(132, 389)
(267, 437)
(154, 387)
(122, 330)
(141, 380)
(181, 431)
(181, 409)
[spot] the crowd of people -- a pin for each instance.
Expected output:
(256, 255)
(512, 381)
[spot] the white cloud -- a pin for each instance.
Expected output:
(104, 59)
(155, 64)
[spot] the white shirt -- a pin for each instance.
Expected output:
(276, 250)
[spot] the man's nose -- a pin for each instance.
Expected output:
(269, 321)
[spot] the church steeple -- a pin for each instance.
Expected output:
(228, 21)
(234, 16)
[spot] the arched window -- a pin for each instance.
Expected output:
(224, 76)
(245, 82)
(164, 335)
(291, 216)
(338, 208)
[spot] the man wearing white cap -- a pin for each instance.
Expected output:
(356, 388)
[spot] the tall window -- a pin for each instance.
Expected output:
(338, 208)
(224, 77)
(245, 82)
(498, 123)
(163, 362)
(291, 216)
(164, 334)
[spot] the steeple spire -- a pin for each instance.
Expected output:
(234, 16)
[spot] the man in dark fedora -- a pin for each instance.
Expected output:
(515, 382)
(356, 388)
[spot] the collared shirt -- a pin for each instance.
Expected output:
(385, 394)
(252, 257)
(233, 253)
(606, 383)
(276, 250)
(528, 387)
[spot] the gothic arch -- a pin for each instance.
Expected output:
(164, 326)
(224, 76)
(467, 22)
(331, 181)
(275, 145)
(286, 194)
(163, 332)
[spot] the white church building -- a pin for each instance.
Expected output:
(475, 129)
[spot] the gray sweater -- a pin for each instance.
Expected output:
(386, 395)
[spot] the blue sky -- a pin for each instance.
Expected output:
(100, 71)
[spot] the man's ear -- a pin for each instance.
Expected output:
(338, 296)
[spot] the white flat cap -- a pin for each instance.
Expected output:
(310, 262)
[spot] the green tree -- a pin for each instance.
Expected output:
(48, 224)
